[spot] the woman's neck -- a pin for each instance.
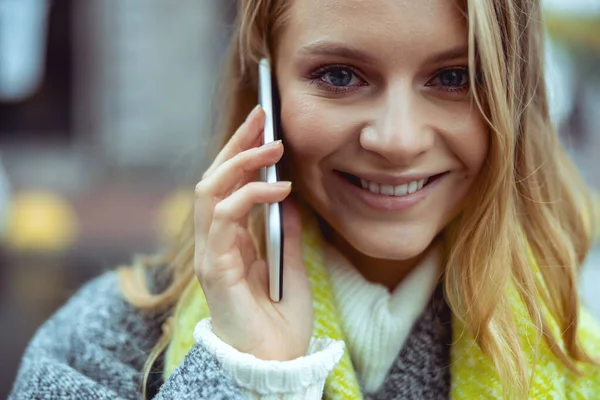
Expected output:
(388, 273)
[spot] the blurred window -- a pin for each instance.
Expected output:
(46, 114)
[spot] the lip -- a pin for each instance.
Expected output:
(393, 180)
(390, 203)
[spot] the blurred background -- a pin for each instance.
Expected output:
(105, 112)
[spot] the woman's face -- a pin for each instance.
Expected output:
(381, 135)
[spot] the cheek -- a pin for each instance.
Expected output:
(300, 121)
(312, 128)
(302, 127)
(469, 140)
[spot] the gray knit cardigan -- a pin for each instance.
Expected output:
(95, 346)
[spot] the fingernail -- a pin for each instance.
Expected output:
(253, 112)
(283, 184)
(272, 144)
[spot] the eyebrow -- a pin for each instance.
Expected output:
(454, 53)
(336, 49)
(345, 51)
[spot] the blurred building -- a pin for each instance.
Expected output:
(105, 112)
(574, 85)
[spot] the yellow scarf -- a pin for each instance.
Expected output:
(472, 373)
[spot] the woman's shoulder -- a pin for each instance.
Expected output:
(94, 345)
(95, 303)
(101, 292)
(98, 318)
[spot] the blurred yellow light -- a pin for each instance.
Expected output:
(40, 221)
(173, 212)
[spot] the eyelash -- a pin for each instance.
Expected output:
(452, 89)
(317, 78)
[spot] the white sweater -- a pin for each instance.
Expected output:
(375, 324)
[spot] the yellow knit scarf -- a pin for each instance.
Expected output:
(472, 373)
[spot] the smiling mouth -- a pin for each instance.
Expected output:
(390, 190)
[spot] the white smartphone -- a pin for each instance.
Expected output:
(268, 98)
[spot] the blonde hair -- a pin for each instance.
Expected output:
(529, 202)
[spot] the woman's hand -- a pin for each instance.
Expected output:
(234, 280)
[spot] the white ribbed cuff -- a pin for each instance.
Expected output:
(301, 378)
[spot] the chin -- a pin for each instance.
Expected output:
(386, 245)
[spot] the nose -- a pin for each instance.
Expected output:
(400, 133)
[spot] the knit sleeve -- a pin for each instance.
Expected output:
(300, 379)
(95, 347)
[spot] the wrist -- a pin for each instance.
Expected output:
(271, 347)
(269, 376)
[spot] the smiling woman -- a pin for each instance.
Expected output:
(434, 227)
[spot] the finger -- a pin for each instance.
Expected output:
(222, 236)
(241, 169)
(244, 138)
(234, 173)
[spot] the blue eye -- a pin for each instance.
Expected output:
(454, 80)
(338, 76)
(454, 77)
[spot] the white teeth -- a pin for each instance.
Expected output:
(389, 190)
(412, 187)
(374, 187)
(400, 190)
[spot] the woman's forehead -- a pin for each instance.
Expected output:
(388, 24)
(381, 28)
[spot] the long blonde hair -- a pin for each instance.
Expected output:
(529, 203)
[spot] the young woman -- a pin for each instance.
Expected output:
(434, 227)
